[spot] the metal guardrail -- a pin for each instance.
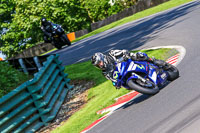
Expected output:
(36, 102)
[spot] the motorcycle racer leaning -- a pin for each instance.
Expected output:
(107, 62)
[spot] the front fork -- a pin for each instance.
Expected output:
(140, 80)
(136, 76)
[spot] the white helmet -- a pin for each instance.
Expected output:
(99, 60)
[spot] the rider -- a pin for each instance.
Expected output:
(107, 62)
(47, 29)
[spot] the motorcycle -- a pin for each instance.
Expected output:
(143, 77)
(59, 38)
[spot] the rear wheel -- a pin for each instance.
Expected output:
(57, 45)
(145, 88)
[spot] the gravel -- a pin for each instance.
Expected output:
(74, 101)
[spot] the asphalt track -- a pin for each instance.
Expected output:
(176, 108)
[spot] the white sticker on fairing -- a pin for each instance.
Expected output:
(132, 66)
(154, 76)
(119, 67)
(163, 76)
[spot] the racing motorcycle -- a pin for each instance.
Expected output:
(59, 38)
(143, 77)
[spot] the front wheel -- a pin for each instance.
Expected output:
(65, 39)
(173, 72)
(145, 90)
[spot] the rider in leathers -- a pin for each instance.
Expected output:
(107, 62)
(47, 29)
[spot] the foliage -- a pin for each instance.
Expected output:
(120, 5)
(10, 78)
(6, 9)
(100, 9)
(96, 9)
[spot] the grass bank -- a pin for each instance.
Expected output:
(99, 96)
(10, 78)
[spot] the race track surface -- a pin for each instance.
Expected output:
(176, 108)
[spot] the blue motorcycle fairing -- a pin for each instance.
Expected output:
(148, 69)
(123, 68)
(142, 66)
(160, 77)
(152, 73)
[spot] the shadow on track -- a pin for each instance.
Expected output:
(139, 99)
(130, 36)
(144, 97)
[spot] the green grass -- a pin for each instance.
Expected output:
(162, 54)
(142, 14)
(99, 96)
(10, 78)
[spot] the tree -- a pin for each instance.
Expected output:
(7, 8)
(96, 9)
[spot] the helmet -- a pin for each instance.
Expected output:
(99, 60)
(44, 22)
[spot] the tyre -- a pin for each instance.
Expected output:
(66, 40)
(57, 45)
(173, 73)
(141, 89)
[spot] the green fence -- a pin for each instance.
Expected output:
(37, 101)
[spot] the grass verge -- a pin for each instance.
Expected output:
(99, 96)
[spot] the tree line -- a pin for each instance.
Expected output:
(20, 19)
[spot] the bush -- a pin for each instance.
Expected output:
(10, 78)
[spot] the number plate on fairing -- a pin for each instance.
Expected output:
(163, 76)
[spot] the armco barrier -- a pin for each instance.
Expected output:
(37, 101)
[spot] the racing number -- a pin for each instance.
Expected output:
(140, 66)
(115, 75)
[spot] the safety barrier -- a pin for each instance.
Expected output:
(37, 101)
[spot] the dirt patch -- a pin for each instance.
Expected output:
(74, 101)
